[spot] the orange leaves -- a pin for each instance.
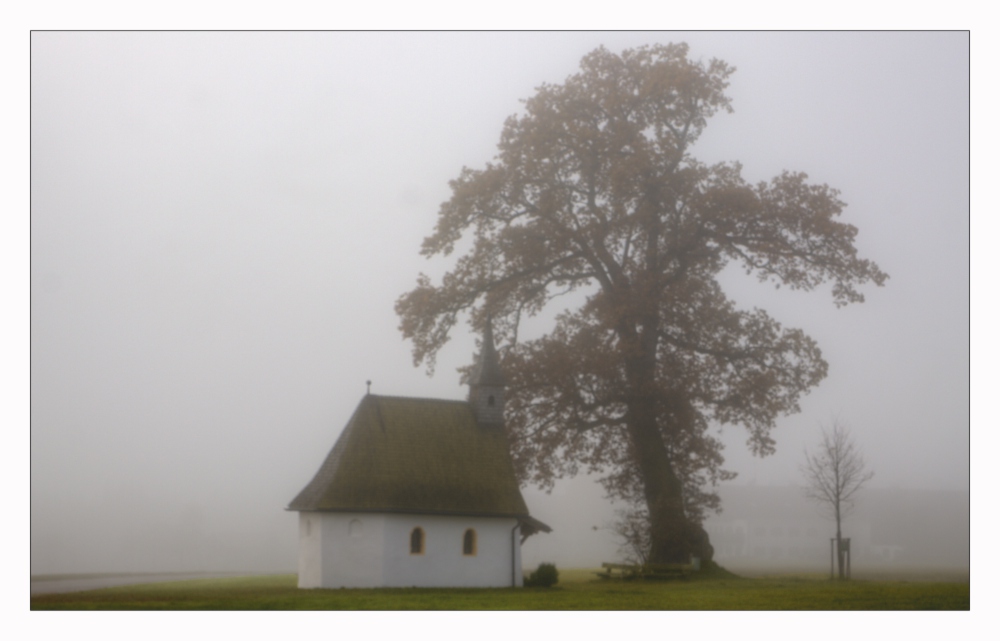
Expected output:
(594, 187)
(795, 240)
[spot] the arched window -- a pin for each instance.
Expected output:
(491, 401)
(417, 541)
(469, 543)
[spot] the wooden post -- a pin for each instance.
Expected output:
(847, 551)
(833, 544)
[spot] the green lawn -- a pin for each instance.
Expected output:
(577, 590)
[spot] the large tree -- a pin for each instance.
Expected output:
(594, 190)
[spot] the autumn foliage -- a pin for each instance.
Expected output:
(594, 191)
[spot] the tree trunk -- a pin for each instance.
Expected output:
(662, 490)
(674, 539)
(840, 551)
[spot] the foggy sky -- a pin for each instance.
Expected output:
(221, 223)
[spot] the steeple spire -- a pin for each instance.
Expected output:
(487, 383)
(487, 370)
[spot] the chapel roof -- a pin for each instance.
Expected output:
(420, 455)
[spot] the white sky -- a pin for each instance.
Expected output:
(221, 223)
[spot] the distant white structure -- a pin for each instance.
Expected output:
(418, 492)
(768, 527)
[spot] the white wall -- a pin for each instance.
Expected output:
(340, 549)
(310, 555)
(443, 564)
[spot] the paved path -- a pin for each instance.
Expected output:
(81, 582)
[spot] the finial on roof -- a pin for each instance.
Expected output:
(369, 384)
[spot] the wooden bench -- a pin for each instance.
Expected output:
(623, 571)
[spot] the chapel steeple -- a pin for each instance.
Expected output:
(487, 383)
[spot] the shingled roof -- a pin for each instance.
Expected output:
(417, 455)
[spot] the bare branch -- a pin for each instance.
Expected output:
(835, 474)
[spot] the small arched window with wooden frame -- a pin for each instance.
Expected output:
(469, 543)
(417, 541)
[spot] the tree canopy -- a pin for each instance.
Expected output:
(594, 189)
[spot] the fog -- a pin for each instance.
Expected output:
(222, 222)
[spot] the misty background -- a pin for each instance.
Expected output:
(222, 222)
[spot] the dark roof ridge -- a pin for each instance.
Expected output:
(424, 399)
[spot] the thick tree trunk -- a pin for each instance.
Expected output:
(673, 537)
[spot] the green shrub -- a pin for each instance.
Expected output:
(545, 576)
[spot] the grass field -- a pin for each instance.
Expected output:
(577, 590)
